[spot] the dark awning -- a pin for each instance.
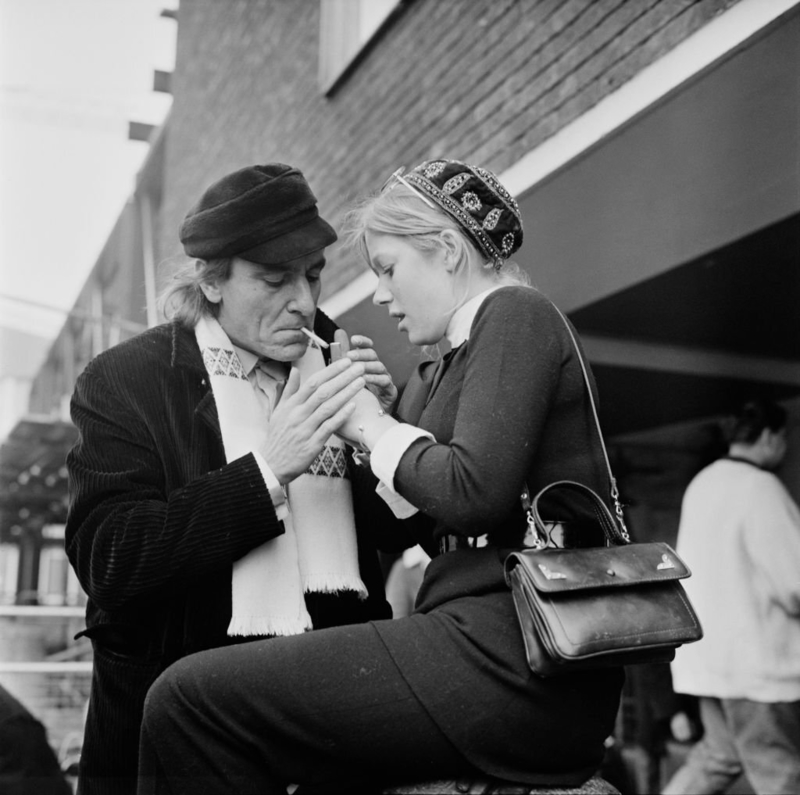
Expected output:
(33, 474)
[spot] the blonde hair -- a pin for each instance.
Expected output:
(401, 212)
(183, 299)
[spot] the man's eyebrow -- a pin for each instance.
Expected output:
(270, 270)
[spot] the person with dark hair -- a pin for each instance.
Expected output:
(28, 764)
(445, 692)
(740, 535)
(210, 503)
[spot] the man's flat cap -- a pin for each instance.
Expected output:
(265, 214)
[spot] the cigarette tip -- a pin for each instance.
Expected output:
(314, 338)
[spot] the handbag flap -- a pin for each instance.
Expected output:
(560, 570)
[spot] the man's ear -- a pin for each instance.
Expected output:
(764, 439)
(775, 438)
(211, 291)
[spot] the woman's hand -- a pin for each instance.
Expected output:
(367, 423)
(307, 415)
(378, 379)
(367, 409)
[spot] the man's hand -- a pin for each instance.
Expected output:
(378, 379)
(307, 415)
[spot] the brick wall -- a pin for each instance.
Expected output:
(481, 80)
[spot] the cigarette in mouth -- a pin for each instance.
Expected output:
(314, 338)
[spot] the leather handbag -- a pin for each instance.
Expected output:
(585, 607)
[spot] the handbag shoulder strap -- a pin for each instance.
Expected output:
(526, 498)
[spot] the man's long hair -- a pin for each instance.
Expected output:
(183, 299)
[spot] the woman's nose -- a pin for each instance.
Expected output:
(381, 296)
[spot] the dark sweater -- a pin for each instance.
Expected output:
(511, 407)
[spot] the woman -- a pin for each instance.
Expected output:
(445, 692)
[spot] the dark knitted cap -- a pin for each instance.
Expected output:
(265, 214)
(476, 199)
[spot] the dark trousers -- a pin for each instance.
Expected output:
(327, 709)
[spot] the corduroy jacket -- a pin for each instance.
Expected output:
(156, 520)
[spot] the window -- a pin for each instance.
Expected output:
(346, 26)
(53, 576)
(75, 594)
(9, 572)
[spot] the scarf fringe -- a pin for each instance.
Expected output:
(334, 584)
(244, 625)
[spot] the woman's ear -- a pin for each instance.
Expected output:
(451, 248)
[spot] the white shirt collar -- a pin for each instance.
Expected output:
(276, 370)
(248, 359)
(461, 322)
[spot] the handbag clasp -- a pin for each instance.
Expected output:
(533, 539)
(551, 575)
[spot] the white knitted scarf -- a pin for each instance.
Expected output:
(317, 551)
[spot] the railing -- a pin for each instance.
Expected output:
(58, 662)
(47, 670)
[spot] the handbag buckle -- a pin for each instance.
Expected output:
(533, 539)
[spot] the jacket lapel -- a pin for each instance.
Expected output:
(206, 411)
(417, 392)
(441, 369)
(187, 359)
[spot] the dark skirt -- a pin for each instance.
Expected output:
(432, 695)
(461, 653)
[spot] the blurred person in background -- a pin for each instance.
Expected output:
(28, 765)
(740, 535)
(209, 502)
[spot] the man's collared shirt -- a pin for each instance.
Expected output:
(267, 379)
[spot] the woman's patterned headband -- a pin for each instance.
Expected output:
(476, 199)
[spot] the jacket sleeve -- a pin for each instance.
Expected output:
(134, 527)
(385, 530)
(514, 358)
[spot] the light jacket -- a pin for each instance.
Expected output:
(740, 535)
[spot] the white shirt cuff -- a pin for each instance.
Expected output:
(389, 449)
(398, 505)
(276, 492)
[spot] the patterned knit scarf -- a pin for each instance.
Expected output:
(318, 550)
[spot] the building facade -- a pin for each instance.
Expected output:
(652, 146)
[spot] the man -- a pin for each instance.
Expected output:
(740, 534)
(209, 502)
